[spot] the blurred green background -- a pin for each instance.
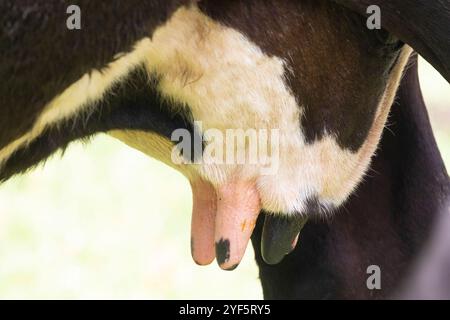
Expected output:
(105, 221)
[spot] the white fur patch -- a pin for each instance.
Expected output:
(227, 82)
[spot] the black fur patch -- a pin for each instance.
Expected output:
(132, 104)
(40, 57)
(385, 222)
(339, 68)
(422, 24)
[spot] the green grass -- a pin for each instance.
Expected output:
(108, 222)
